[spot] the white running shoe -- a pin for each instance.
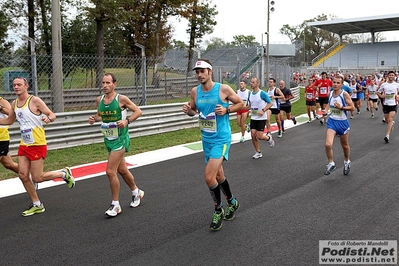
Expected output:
(347, 167)
(257, 155)
(113, 210)
(137, 199)
(271, 141)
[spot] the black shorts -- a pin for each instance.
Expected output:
(373, 100)
(285, 108)
(323, 100)
(310, 103)
(275, 111)
(389, 108)
(259, 125)
(4, 147)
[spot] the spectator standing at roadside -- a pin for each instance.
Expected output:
(242, 114)
(31, 112)
(211, 100)
(112, 111)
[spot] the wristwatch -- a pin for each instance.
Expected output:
(227, 110)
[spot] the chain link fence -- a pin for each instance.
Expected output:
(146, 81)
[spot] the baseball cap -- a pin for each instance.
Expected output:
(202, 64)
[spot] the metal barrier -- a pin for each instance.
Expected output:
(72, 128)
(78, 99)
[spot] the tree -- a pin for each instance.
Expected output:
(215, 42)
(5, 46)
(201, 22)
(309, 40)
(244, 41)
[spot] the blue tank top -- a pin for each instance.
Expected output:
(214, 128)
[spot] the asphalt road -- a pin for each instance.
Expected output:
(287, 206)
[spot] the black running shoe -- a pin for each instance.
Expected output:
(217, 220)
(230, 211)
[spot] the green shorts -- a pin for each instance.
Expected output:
(123, 142)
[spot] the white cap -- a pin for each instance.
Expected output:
(202, 64)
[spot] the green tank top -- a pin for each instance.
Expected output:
(112, 113)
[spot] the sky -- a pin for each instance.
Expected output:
(249, 17)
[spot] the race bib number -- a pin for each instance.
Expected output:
(323, 90)
(110, 130)
(335, 111)
(309, 96)
(27, 136)
(207, 125)
(389, 96)
(254, 111)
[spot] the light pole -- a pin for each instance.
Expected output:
(33, 63)
(144, 73)
(269, 9)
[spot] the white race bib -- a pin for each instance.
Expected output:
(110, 130)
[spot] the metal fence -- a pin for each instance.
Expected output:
(147, 81)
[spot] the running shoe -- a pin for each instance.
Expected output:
(321, 122)
(330, 168)
(257, 155)
(69, 179)
(137, 199)
(383, 121)
(367, 109)
(268, 133)
(242, 139)
(33, 209)
(372, 116)
(230, 210)
(271, 141)
(113, 210)
(248, 128)
(386, 138)
(347, 167)
(294, 120)
(280, 134)
(217, 220)
(351, 117)
(393, 126)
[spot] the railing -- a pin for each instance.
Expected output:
(72, 128)
(74, 99)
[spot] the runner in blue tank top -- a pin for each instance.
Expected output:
(211, 101)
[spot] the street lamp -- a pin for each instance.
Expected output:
(33, 63)
(269, 9)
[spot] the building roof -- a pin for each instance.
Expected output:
(359, 25)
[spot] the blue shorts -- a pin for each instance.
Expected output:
(216, 150)
(341, 127)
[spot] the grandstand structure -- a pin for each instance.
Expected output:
(359, 57)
